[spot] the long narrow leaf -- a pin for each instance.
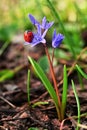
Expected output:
(80, 80)
(28, 87)
(64, 94)
(44, 80)
(81, 72)
(39, 103)
(9, 74)
(5, 45)
(78, 103)
(6, 74)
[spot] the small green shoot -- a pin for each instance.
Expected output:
(78, 103)
(28, 87)
(81, 72)
(64, 93)
(40, 103)
(80, 80)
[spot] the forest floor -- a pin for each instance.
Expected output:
(16, 113)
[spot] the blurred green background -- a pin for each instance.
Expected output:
(70, 17)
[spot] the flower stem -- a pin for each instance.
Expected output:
(53, 55)
(54, 80)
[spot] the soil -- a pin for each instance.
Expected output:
(16, 113)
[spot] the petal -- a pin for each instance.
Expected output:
(54, 35)
(39, 29)
(44, 33)
(37, 39)
(33, 20)
(43, 41)
(38, 42)
(57, 40)
(48, 25)
(54, 44)
(59, 37)
(43, 23)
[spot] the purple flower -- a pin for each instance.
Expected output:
(42, 29)
(57, 39)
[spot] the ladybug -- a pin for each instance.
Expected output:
(28, 36)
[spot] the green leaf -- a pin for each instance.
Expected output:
(6, 74)
(9, 74)
(28, 87)
(80, 80)
(78, 103)
(2, 72)
(64, 94)
(43, 62)
(81, 72)
(44, 80)
(5, 45)
(39, 103)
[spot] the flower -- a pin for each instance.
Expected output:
(37, 37)
(57, 39)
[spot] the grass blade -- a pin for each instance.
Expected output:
(9, 74)
(5, 45)
(6, 75)
(78, 103)
(64, 94)
(81, 72)
(28, 87)
(80, 80)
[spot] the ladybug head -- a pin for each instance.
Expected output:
(28, 36)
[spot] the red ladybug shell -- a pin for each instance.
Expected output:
(28, 36)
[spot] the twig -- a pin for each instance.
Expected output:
(5, 100)
(27, 117)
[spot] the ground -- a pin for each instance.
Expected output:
(16, 113)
